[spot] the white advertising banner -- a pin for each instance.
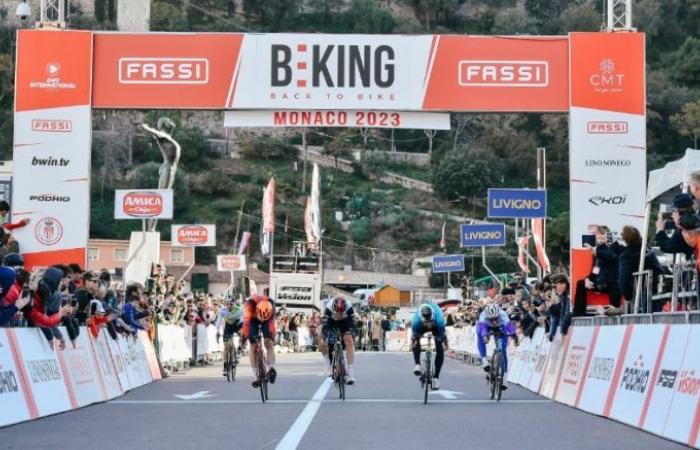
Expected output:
(231, 263)
(596, 385)
(143, 204)
(193, 235)
(338, 119)
(82, 372)
(296, 289)
(554, 365)
(13, 395)
(577, 356)
(106, 366)
(542, 354)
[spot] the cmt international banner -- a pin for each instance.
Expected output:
(52, 145)
(607, 137)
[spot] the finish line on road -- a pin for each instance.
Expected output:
(353, 400)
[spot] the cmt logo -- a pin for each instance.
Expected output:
(332, 66)
(194, 235)
(503, 73)
(607, 80)
(607, 127)
(142, 204)
(163, 71)
(51, 125)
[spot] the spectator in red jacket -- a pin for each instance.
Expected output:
(4, 211)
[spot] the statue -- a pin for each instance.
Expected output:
(170, 150)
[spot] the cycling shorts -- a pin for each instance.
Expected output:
(230, 329)
(256, 327)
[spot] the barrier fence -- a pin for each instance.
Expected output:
(643, 371)
(37, 380)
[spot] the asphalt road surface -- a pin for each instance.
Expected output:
(384, 410)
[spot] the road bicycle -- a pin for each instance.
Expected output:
(262, 367)
(496, 366)
(427, 370)
(338, 368)
(231, 360)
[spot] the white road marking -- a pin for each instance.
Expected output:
(291, 440)
(448, 395)
(195, 396)
(292, 401)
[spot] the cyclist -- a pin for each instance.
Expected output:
(258, 314)
(429, 318)
(339, 314)
(494, 318)
(230, 318)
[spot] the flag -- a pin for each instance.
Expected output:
(245, 240)
(307, 222)
(313, 215)
(268, 207)
(538, 237)
(264, 241)
(443, 240)
(522, 246)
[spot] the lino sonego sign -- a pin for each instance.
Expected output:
(483, 235)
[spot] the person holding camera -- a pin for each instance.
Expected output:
(603, 276)
(683, 205)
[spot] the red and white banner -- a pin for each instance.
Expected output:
(106, 366)
(607, 137)
(143, 204)
(193, 235)
(81, 370)
(231, 263)
(51, 183)
(312, 213)
(578, 357)
(337, 119)
(16, 398)
(268, 207)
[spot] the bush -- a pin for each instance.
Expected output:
(267, 148)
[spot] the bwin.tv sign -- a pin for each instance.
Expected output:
(483, 235)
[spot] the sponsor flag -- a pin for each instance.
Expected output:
(314, 207)
(538, 237)
(307, 221)
(522, 246)
(443, 240)
(243, 245)
(268, 207)
(264, 242)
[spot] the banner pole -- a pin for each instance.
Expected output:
(483, 263)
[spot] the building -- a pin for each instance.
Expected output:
(113, 254)
(390, 296)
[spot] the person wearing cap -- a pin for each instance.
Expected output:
(84, 295)
(683, 205)
(603, 276)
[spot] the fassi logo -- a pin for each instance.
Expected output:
(607, 127)
(52, 125)
(503, 73)
(142, 204)
(608, 200)
(333, 66)
(194, 235)
(163, 70)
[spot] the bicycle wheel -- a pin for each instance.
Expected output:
(339, 369)
(428, 382)
(492, 375)
(228, 366)
(233, 364)
(262, 376)
(499, 375)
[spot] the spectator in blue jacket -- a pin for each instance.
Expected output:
(132, 314)
(9, 309)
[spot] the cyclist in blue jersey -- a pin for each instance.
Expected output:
(429, 318)
(494, 318)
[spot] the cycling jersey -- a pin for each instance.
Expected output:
(230, 319)
(485, 326)
(343, 321)
(438, 328)
(251, 322)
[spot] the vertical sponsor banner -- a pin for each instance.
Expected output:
(663, 387)
(574, 365)
(542, 353)
(120, 364)
(44, 373)
(52, 145)
(554, 366)
(596, 383)
(14, 396)
(683, 422)
(81, 370)
(151, 357)
(607, 136)
(106, 366)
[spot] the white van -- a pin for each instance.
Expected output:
(362, 296)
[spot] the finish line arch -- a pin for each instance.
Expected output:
(597, 78)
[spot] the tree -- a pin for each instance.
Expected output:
(459, 176)
(687, 122)
(580, 17)
(374, 163)
(514, 21)
(686, 62)
(365, 16)
(338, 146)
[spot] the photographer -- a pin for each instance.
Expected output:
(682, 206)
(603, 276)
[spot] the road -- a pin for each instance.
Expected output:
(384, 410)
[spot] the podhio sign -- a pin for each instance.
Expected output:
(193, 235)
(143, 204)
(231, 263)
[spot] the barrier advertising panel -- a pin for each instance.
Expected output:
(554, 365)
(577, 355)
(683, 422)
(82, 373)
(14, 396)
(483, 235)
(517, 203)
(106, 366)
(542, 353)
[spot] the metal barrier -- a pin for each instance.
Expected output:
(682, 295)
(603, 320)
(694, 317)
(636, 319)
(582, 322)
(670, 318)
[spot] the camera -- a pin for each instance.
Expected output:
(23, 11)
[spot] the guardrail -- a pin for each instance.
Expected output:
(683, 317)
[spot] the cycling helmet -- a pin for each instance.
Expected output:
(492, 311)
(263, 311)
(426, 313)
(339, 305)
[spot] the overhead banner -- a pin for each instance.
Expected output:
(51, 183)
(448, 263)
(231, 263)
(483, 235)
(331, 72)
(193, 235)
(296, 289)
(143, 204)
(517, 203)
(337, 119)
(607, 132)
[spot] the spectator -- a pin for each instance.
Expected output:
(559, 315)
(628, 262)
(9, 307)
(84, 295)
(47, 311)
(682, 206)
(695, 185)
(132, 314)
(603, 276)
(5, 218)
